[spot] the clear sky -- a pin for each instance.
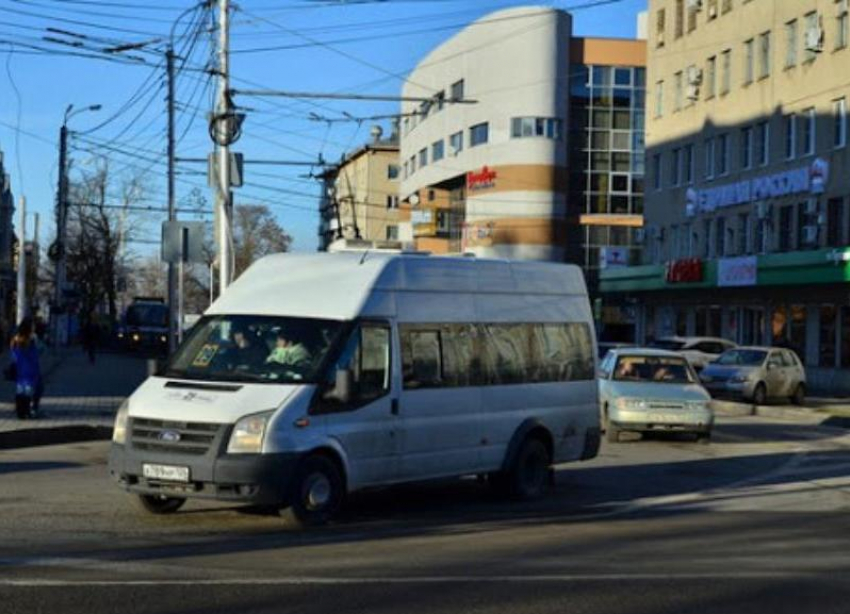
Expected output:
(361, 46)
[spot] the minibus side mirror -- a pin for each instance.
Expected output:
(342, 387)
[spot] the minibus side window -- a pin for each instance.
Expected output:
(422, 363)
(367, 356)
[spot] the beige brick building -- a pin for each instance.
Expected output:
(360, 195)
(748, 178)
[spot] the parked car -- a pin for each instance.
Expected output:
(698, 350)
(647, 389)
(757, 374)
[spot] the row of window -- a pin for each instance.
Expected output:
(800, 139)
(435, 105)
(757, 62)
(452, 355)
(690, 13)
(795, 227)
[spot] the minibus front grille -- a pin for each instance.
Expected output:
(174, 437)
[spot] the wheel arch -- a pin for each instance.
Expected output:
(531, 427)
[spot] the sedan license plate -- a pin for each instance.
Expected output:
(664, 418)
(166, 473)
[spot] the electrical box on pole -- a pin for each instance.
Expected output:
(235, 173)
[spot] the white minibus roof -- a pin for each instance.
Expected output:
(336, 286)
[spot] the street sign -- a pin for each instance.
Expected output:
(236, 170)
(183, 242)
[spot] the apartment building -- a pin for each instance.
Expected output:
(748, 179)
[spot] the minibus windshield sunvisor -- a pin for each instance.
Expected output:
(264, 349)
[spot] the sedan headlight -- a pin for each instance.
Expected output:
(626, 403)
(119, 431)
(248, 434)
(739, 379)
(696, 405)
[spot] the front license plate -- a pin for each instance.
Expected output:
(664, 418)
(166, 473)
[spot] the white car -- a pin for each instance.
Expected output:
(644, 389)
(698, 350)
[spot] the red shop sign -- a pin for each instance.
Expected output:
(485, 178)
(688, 270)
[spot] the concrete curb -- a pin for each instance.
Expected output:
(50, 436)
(737, 410)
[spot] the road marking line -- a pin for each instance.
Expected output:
(342, 581)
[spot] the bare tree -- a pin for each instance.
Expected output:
(256, 233)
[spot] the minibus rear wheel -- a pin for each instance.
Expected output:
(316, 492)
(159, 504)
(528, 478)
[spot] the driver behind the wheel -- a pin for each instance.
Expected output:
(288, 351)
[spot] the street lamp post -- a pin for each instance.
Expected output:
(62, 215)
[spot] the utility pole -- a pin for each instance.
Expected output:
(224, 126)
(61, 210)
(22, 261)
(173, 324)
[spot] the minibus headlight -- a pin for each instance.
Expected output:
(248, 434)
(119, 431)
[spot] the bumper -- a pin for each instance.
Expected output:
(690, 421)
(730, 390)
(255, 479)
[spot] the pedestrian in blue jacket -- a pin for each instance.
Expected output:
(28, 384)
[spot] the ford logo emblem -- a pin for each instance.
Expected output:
(169, 436)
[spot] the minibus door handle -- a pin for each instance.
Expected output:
(394, 407)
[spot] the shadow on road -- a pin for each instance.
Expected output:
(22, 467)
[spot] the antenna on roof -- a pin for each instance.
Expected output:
(363, 257)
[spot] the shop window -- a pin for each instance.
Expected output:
(845, 337)
(797, 331)
(834, 213)
(826, 348)
(779, 325)
(786, 221)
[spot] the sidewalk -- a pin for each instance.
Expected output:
(80, 399)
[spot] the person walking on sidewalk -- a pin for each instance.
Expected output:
(28, 382)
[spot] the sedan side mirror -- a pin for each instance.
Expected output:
(342, 387)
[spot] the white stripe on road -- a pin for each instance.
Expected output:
(342, 581)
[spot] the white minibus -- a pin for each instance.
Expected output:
(317, 375)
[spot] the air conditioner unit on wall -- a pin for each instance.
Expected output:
(810, 235)
(842, 6)
(814, 39)
(695, 5)
(692, 92)
(712, 11)
(694, 75)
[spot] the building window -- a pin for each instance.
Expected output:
(749, 61)
(744, 233)
(680, 18)
(723, 157)
(746, 148)
(727, 6)
(423, 158)
(440, 100)
(523, 127)
(656, 171)
(764, 55)
(677, 91)
(809, 131)
(392, 201)
(659, 98)
(720, 237)
(834, 226)
(811, 25)
(786, 228)
(412, 162)
(458, 90)
(726, 72)
(456, 143)
(660, 26)
(706, 239)
(438, 151)
(791, 43)
(392, 233)
(710, 158)
(392, 171)
(711, 78)
(839, 132)
(479, 134)
(676, 167)
(790, 136)
(842, 28)
(763, 143)
(688, 163)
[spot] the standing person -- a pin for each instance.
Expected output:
(90, 335)
(28, 384)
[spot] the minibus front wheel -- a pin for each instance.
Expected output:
(316, 492)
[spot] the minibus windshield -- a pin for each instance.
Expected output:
(262, 349)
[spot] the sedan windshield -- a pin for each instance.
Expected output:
(743, 358)
(255, 349)
(656, 369)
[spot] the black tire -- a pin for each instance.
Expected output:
(159, 504)
(316, 492)
(528, 477)
(760, 394)
(704, 437)
(799, 396)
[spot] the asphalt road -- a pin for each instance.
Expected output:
(756, 521)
